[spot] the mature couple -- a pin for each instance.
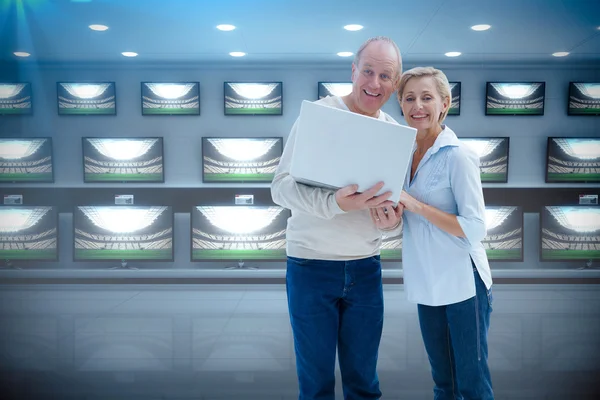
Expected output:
(334, 285)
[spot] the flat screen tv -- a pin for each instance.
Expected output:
(515, 98)
(325, 89)
(161, 98)
(493, 157)
(570, 233)
(94, 98)
(133, 160)
(573, 160)
(28, 233)
(250, 233)
(504, 240)
(455, 93)
(15, 98)
(240, 160)
(123, 233)
(253, 98)
(26, 160)
(584, 98)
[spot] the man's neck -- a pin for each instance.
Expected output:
(350, 103)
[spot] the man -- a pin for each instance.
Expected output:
(333, 280)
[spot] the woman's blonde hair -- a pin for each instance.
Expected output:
(441, 83)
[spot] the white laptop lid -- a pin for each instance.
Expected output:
(335, 148)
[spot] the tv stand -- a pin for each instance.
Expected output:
(124, 266)
(240, 265)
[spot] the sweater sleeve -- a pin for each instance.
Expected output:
(295, 196)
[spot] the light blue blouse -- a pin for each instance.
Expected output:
(437, 265)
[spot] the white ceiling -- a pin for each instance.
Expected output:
(281, 31)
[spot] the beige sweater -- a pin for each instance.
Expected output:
(318, 228)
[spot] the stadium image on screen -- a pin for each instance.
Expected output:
(584, 98)
(123, 233)
(325, 89)
(123, 160)
(240, 159)
(493, 157)
(170, 98)
(573, 160)
(26, 160)
(239, 233)
(455, 92)
(504, 240)
(15, 99)
(570, 233)
(253, 98)
(515, 98)
(86, 98)
(391, 247)
(28, 233)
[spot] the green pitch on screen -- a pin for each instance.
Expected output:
(503, 254)
(244, 254)
(493, 177)
(391, 254)
(569, 254)
(14, 111)
(238, 177)
(122, 177)
(591, 177)
(17, 254)
(20, 177)
(584, 111)
(262, 111)
(86, 111)
(174, 111)
(97, 254)
(514, 111)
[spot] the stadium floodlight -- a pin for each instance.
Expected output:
(122, 149)
(10, 90)
(245, 149)
(516, 90)
(15, 149)
(170, 91)
(589, 89)
(583, 149)
(253, 90)
(240, 219)
(85, 90)
(338, 88)
(122, 220)
(578, 219)
(494, 217)
(482, 147)
(19, 219)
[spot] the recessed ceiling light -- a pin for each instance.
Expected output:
(345, 53)
(482, 27)
(237, 54)
(99, 28)
(560, 54)
(453, 54)
(353, 27)
(21, 54)
(129, 54)
(225, 27)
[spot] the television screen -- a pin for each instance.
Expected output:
(26, 160)
(253, 98)
(584, 98)
(570, 233)
(239, 233)
(493, 157)
(391, 247)
(15, 99)
(170, 98)
(123, 159)
(86, 98)
(28, 233)
(504, 240)
(573, 160)
(240, 159)
(123, 233)
(455, 92)
(503, 98)
(325, 89)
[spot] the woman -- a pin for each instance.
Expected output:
(446, 271)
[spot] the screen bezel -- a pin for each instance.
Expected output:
(52, 179)
(30, 110)
(569, 113)
(548, 142)
(522, 221)
(196, 111)
(487, 89)
(85, 114)
(280, 83)
(507, 154)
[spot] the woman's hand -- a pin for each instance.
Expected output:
(387, 218)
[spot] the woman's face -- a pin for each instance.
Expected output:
(422, 104)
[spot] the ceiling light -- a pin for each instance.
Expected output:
(129, 54)
(99, 28)
(560, 54)
(237, 54)
(482, 27)
(21, 54)
(453, 54)
(353, 27)
(345, 53)
(225, 27)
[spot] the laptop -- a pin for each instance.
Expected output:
(335, 148)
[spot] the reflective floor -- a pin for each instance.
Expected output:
(210, 342)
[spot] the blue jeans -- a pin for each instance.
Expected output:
(455, 338)
(336, 304)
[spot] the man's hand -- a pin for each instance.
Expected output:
(349, 200)
(387, 218)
